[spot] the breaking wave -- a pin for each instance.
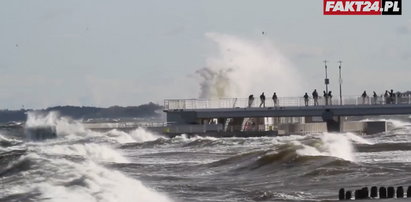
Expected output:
(315, 151)
(75, 166)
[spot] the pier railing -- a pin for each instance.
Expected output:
(175, 104)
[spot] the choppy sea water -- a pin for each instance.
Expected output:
(82, 165)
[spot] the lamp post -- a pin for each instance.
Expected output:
(326, 80)
(340, 80)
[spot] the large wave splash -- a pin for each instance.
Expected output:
(338, 145)
(305, 153)
(243, 66)
(67, 128)
(73, 167)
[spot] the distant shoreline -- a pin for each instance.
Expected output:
(149, 110)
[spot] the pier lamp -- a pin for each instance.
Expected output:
(340, 81)
(326, 80)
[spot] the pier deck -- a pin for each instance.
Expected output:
(344, 110)
(237, 113)
(288, 107)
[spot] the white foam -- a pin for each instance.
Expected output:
(95, 152)
(119, 136)
(72, 129)
(287, 138)
(9, 139)
(186, 138)
(101, 184)
(54, 165)
(141, 135)
(35, 119)
(357, 139)
(331, 144)
(53, 176)
(65, 127)
(137, 135)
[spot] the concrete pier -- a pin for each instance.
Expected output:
(291, 116)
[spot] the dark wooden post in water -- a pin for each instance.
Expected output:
(390, 192)
(400, 192)
(383, 192)
(348, 195)
(341, 194)
(374, 192)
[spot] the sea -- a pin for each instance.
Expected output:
(81, 165)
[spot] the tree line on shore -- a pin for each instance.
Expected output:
(149, 110)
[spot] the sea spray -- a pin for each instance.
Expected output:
(244, 66)
(95, 152)
(357, 139)
(36, 119)
(73, 129)
(142, 135)
(137, 135)
(330, 144)
(66, 180)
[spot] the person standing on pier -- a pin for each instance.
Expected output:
(315, 97)
(275, 99)
(326, 97)
(387, 97)
(364, 96)
(306, 99)
(392, 96)
(262, 99)
(250, 100)
(330, 97)
(375, 97)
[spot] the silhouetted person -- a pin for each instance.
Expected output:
(262, 99)
(275, 99)
(330, 97)
(306, 99)
(398, 98)
(392, 96)
(315, 97)
(387, 97)
(364, 96)
(250, 100)
(325, 97)
(375, 97)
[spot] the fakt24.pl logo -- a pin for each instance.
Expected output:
(357, 7)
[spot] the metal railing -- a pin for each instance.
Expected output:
(179, 104)
(122, 125)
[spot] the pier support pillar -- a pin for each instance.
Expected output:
(333, 122)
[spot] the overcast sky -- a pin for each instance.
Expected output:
(104, 52)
